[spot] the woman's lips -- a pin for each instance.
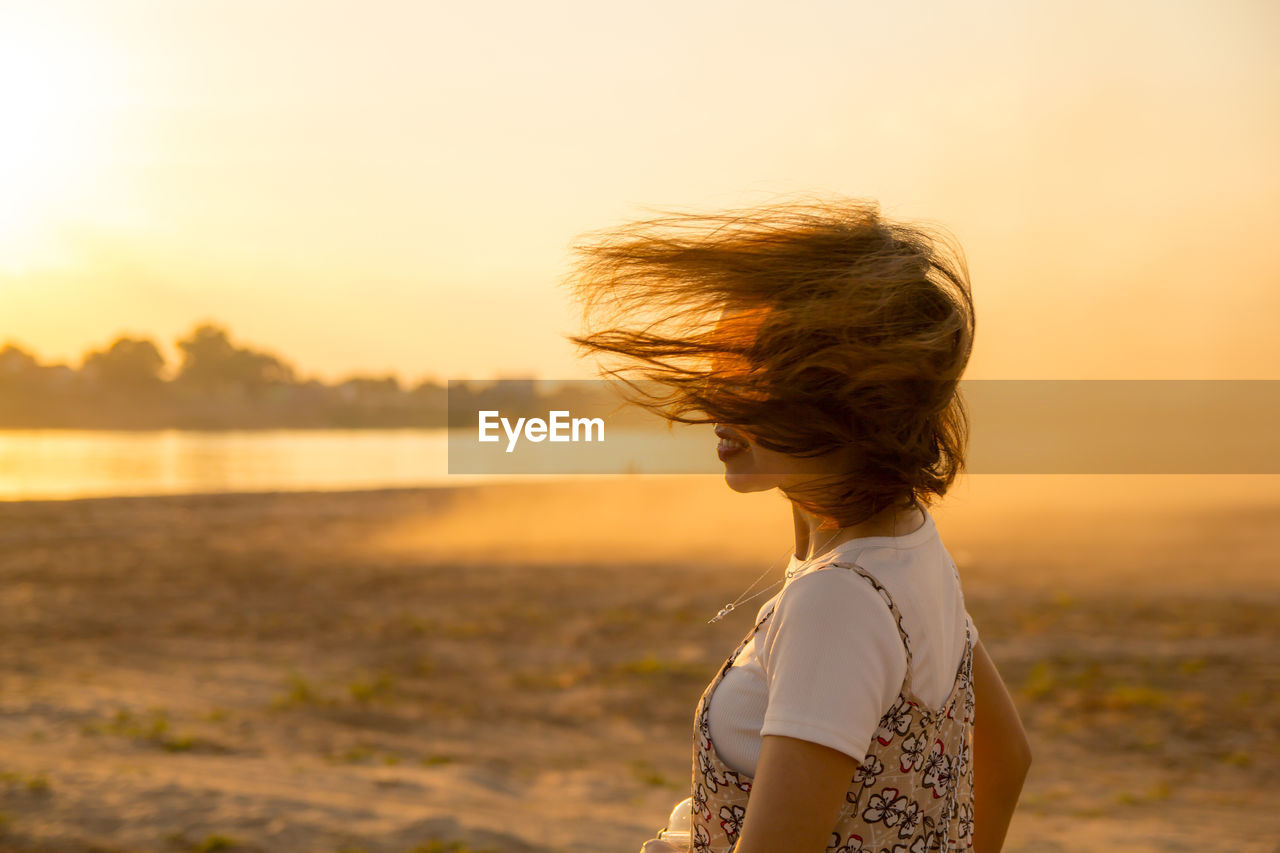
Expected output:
(726, 449)
(731, 443)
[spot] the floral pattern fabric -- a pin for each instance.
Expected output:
(913, 792)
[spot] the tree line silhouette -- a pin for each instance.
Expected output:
(218, 384)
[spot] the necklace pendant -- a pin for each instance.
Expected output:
(747, 596)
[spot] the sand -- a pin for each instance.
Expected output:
(514, 668)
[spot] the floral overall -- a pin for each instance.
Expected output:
(912, 794)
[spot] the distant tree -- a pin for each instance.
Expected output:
(129, 364)
(369, 387)
(210, 359)
(15, 361)
(21, 374)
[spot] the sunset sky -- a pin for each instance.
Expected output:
(393, 186)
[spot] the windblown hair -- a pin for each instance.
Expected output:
(816, 327)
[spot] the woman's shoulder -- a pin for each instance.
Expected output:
(830, 600)
(818, 585)
(843, 580)
(825, 609)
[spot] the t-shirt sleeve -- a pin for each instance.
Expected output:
(833, 661)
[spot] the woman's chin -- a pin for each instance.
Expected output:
(746, 482)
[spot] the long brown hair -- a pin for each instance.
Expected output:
(847, 335)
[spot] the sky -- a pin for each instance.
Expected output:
(384, 187)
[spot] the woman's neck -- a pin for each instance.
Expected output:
(813, 540)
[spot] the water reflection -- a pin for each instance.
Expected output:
(81, 463)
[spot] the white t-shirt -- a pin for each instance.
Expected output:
(828, 662)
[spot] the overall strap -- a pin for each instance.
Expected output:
(760, 621)
(968, 635)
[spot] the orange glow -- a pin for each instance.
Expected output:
(397, 192)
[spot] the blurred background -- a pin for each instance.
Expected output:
(244, 246)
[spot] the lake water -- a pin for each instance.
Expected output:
(79, 463)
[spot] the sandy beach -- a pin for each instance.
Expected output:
(514, 668)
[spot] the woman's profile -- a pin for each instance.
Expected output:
(826, 343)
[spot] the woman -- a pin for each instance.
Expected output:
(861, 712)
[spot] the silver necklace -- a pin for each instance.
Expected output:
(790, 573)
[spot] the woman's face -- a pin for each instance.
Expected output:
(748, 467)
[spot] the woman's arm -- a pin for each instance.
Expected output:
(1001, 755)
(796, 796)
